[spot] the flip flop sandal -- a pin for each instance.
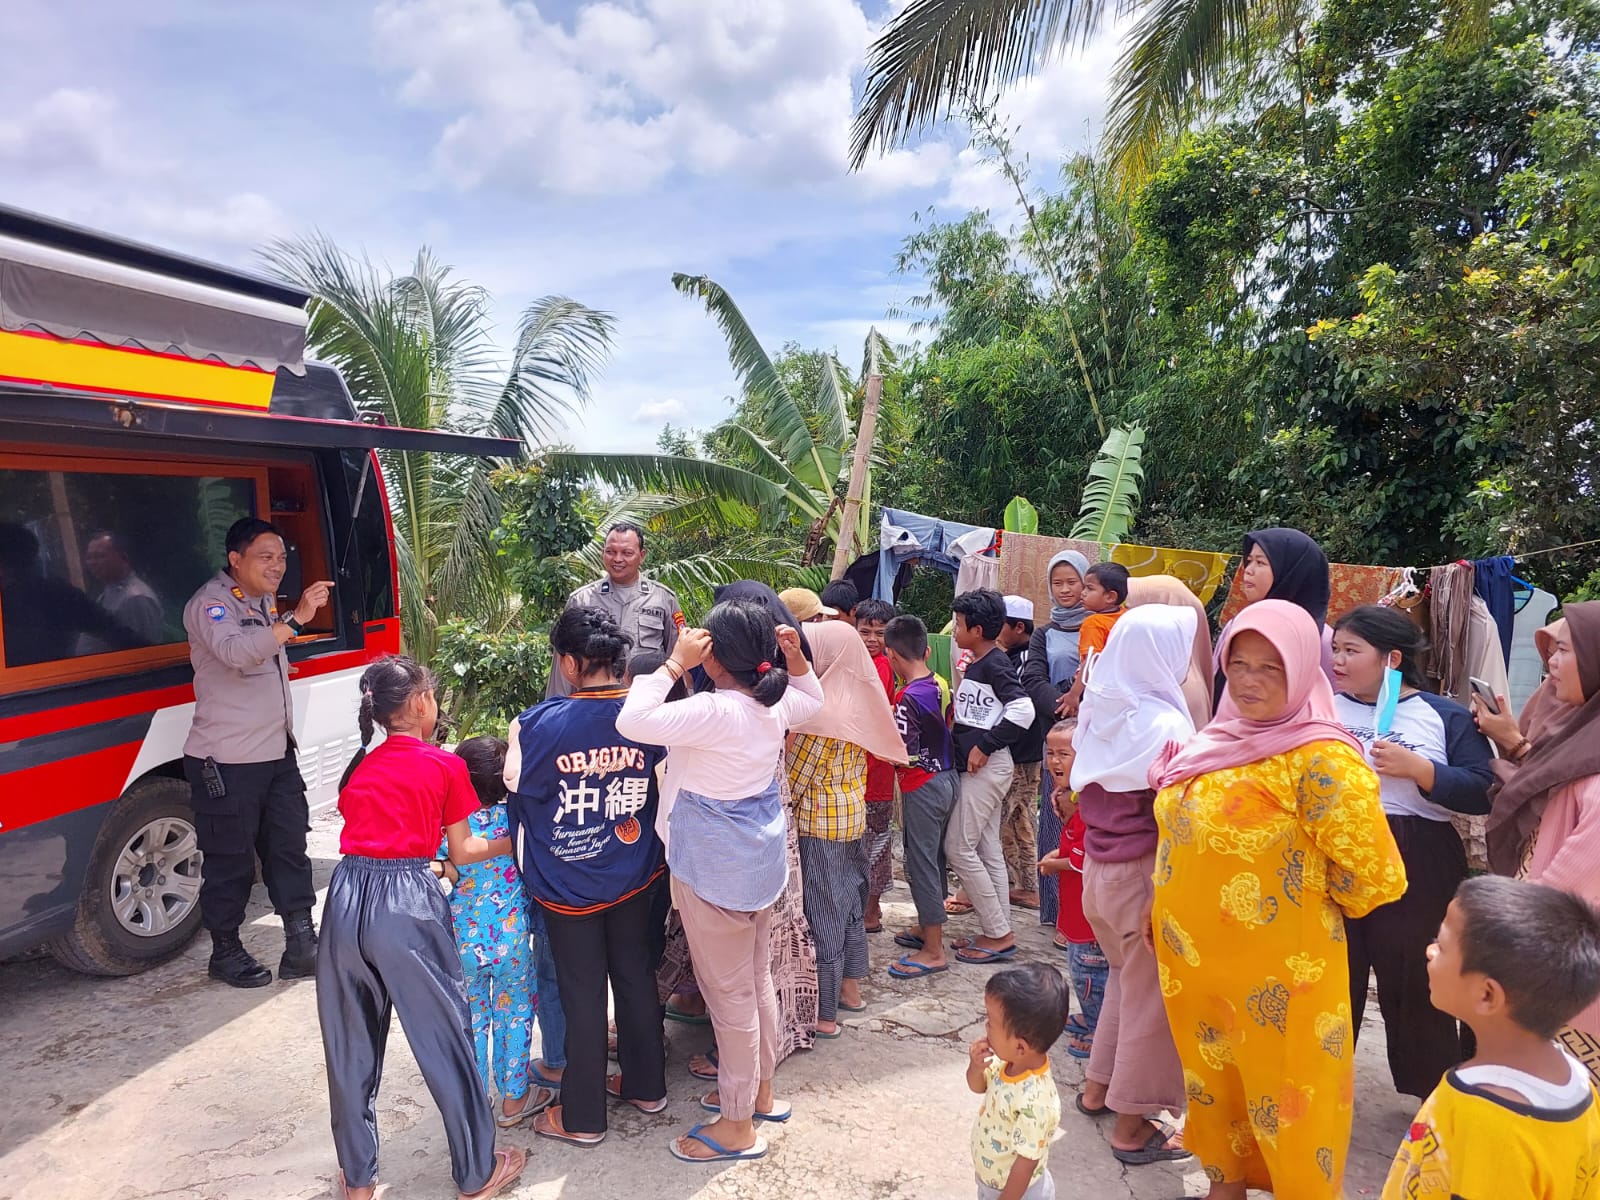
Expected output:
(909, 940)
(782, 1110)
(1030, 905)
(1077, 1026)
(720, 1152)
(711, 1056)
(843, 1007)
(1078, 1047)
(546, 1127)
(837, 1033)
(649, 1107)
(508, 1164)
(1154, 1150)
(541, 1099)
(957, 908)
(1092, 1113)
(983, 957)
(904, 968)
(379, 1190)
(675, 1013)
(874, 928)
(540, 1078)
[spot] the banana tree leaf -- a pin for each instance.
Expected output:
(1111, 495)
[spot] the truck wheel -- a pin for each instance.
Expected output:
(141, 897)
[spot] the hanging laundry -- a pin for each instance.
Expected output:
(1350, 585)
(1526, 669)
(1449, 609)
(1200, 570)
(906, 535)
(1023, 560)
(1492, 582)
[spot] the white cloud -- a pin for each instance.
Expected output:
(661, 410)
(67, 130)
(633, 93)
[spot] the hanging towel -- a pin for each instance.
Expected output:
(1200, 570)
(1449, 609)
(1350, 585)
(1526, 669)
(1491, 581)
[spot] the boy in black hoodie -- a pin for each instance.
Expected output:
(992, 714)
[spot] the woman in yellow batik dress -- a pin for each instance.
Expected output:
(1271, 832)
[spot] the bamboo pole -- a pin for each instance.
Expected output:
(858, 471)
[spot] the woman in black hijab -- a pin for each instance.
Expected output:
(1285, 564)
(760, 593)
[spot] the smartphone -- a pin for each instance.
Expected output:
(1484, 693)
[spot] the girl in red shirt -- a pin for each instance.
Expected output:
(387, 939)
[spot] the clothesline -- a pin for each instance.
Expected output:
(1537, 553)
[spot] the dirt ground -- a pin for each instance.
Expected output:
(167, 1085)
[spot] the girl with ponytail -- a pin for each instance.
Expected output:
(387, 940)
(727, 843)
(583, 802)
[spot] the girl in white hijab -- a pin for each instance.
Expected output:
(1133, 707)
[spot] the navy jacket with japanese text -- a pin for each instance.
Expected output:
(582, 803)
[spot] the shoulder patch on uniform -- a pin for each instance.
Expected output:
(216, 612)
(677, 619)
(238, 592)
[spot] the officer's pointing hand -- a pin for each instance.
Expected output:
(312, 599)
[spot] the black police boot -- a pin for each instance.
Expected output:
(231, 962)
(299, 947)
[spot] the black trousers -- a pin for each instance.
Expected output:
(265, 816)
(1392, 942)
(621, 944)
(387, 945)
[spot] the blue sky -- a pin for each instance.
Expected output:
(588, 148)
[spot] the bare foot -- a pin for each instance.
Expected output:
(701, 1067)
(730, 1135)
(827, 1027)
(690, 1004)
(850, 993)
(715, 1098)
(549, 1072)
(1025, 899)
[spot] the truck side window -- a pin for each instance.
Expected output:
(99, 558)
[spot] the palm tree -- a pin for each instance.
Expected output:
(416, 351)
(785, 460)
(940, 56)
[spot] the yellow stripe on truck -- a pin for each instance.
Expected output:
(33, 358)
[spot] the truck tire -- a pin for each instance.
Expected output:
(141, 897)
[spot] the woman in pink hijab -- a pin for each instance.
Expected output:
(1271, 833)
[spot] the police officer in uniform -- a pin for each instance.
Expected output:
(249, 800)
(647, 612)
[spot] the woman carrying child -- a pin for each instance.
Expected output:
(490, 911)
(387, 942)
(727, 848)
(583, 812)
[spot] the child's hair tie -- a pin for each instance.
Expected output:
(763, 667)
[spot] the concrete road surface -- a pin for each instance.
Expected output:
(167, 1085)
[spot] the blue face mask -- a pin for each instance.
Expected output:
(1388, 701)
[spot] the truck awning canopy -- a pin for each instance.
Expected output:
(51, 407)
(80, 286)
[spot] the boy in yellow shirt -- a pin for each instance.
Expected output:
(1010, 1069)
(1516, 961)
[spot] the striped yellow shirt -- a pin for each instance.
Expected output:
(829, 781)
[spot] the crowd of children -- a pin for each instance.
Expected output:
(1513, 961)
